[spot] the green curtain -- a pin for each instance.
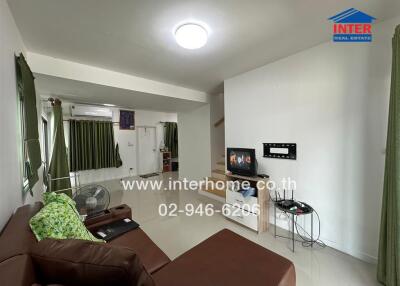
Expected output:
(389, 242)
(171, 138)
(27, 94)
(91, 145)
(59, 160)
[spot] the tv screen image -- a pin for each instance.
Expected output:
(240, 159)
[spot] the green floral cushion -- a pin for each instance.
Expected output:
(50, 197)
(59, 219)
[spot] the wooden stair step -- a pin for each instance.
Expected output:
(219, 122)
(216, 179)
(220, 193)
(220, 168)
(219, 175)
(218, 172)
(221, 163)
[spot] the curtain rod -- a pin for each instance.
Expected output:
(43, 99)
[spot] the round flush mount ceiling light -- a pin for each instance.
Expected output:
(191, 36)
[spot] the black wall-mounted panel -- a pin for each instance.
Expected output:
(280, 150)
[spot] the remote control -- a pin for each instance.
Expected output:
(265, 176)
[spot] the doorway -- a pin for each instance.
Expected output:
(147, 150)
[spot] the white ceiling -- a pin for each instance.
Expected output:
(84, 92)
(135, 37)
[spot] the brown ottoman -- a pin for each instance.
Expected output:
(227, 258)
(152, 257)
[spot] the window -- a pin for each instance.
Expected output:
(91, 145)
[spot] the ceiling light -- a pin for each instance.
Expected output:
(109, 104)
(191, 36)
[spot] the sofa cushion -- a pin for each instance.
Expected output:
(152, 257)
(227, 259)
(17, 236)
(59, 219)
(79, 262)
(17, 271)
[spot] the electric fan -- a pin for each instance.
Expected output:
(92, 199)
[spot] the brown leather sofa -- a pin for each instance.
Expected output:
(134, 259)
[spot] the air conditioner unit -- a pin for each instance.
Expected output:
(91, 111)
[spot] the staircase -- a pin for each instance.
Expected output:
(218, 174)
(217, 149)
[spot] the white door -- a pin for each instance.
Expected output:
(147, 150)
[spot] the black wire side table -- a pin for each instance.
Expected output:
(294, 209)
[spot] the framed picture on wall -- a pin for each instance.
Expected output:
(126, 120)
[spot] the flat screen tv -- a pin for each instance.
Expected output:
(241, 161)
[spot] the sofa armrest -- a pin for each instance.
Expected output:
(108, 216)
(80, 262)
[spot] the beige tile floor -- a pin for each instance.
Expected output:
(175, 235)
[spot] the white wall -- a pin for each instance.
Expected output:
(10, 144)
(127, 143)
(217, 133)
(194, 143)
(332, 100)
